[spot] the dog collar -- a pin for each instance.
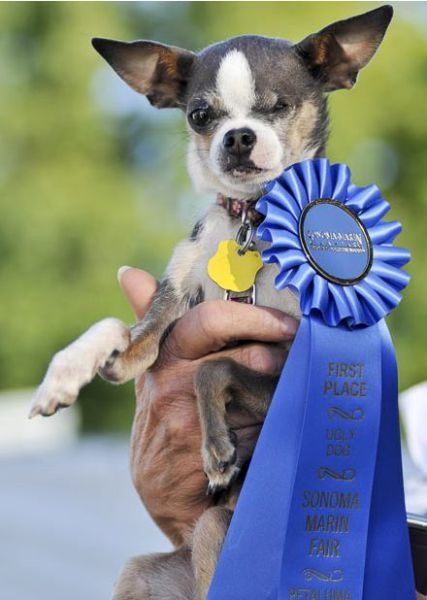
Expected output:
(237, 208)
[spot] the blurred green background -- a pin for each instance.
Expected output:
(92, 177)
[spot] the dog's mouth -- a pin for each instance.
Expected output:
(243, 170)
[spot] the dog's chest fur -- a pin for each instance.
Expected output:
(188, 273)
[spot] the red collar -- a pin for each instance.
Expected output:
(235, 208)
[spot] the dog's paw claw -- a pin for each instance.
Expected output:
(34, 412)
(123, 366)
(220, 482)
(111, 359)
(223, 465)
(115, 369)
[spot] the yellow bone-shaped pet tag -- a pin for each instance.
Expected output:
(231, 270)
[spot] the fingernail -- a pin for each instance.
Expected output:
(122, 271)
(289, 326)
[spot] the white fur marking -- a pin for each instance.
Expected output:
(235, 83)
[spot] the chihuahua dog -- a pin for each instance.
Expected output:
(253, 106)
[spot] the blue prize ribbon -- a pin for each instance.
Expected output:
(321, 515)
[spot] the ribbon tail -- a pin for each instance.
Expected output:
(327, 535)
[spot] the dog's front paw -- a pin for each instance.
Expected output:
(59, 388)
(75, 366)
(219, 462)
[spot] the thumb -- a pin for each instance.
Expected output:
(139, 288)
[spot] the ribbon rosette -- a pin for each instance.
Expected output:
(321, 514)
(368, 300)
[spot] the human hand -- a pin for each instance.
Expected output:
(166, 463)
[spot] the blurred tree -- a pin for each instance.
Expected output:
(91, 177)
(71, 210)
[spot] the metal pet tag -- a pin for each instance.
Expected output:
(232, 269)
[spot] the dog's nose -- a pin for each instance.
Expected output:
(239, 141)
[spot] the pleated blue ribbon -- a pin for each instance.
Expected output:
(321, 515)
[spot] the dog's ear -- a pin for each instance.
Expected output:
(336, 54)
(159, 72)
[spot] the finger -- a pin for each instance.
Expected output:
(263, 358)
(212, 325)
(139, 288)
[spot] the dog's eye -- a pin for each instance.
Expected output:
(280, 106)
(200, 117)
